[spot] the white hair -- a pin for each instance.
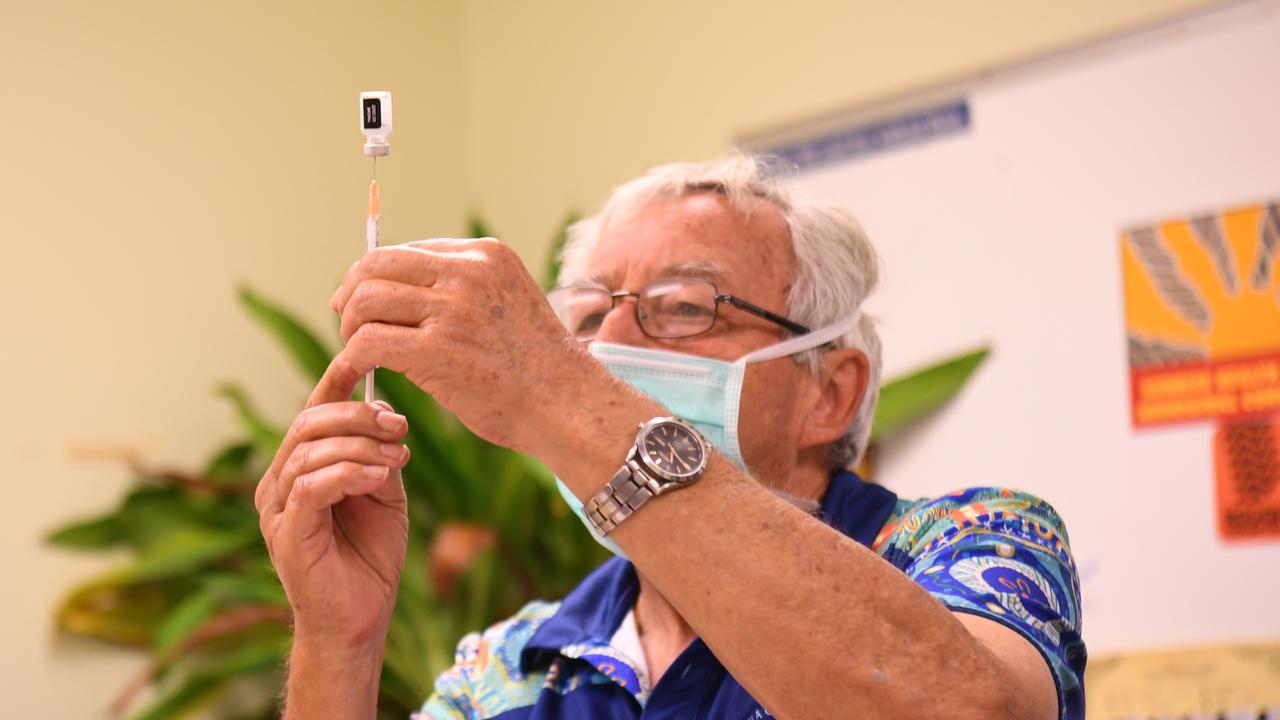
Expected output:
(836, 266)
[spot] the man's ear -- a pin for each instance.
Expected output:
(842, 384)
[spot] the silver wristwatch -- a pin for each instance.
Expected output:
(668, 454)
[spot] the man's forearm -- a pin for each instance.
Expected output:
(326, 681)
(810, 622)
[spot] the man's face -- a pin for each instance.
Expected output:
(702, 236)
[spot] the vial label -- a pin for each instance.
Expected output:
(372, 113)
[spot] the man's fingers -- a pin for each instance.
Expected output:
(385, 301)
(420, 268)
(307, 507)
(393, 347)
(334, 419)
(341, 419)
(421, 263)
(309, 457)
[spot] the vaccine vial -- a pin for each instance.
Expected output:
(375, 121)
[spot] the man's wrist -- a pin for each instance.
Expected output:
(328, 679)
(590, 430)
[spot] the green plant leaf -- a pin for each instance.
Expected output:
(183, 551)
(422, 637)
(908, 398)
(302, 344)
(149, 514)
(476, 590)
(94, 534)
(201, 686)
(152, 514)
(185, 618)
(230, 464)
(478, 228)
(264, 437)
(193, 629)
(430, 459)
(114, 612)
(248, 585)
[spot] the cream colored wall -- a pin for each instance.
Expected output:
(156, 154)
(564, 100)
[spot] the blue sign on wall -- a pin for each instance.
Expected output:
(851, 143)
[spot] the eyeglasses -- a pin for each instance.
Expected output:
(676, 308)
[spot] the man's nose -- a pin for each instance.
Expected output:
(620, 325)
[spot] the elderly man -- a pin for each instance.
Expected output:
(757, 577)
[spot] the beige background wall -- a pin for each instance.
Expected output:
(156, 154)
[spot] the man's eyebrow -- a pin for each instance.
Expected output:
(694, 268)
(705, 269)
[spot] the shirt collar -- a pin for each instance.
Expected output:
(857, 508)
(594, 610)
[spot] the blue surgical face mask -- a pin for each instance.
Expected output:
(704, 391)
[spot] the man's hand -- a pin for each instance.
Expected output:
(333, 512)
(465, 321)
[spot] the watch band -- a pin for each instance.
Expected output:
(629, 488)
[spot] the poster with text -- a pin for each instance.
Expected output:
(1202, 311)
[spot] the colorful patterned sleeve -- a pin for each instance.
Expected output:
(450, 701)
(486, 680)
(1004, 555)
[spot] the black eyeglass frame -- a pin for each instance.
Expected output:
(793, 327)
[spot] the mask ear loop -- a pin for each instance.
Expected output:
(800, 343)
(791, 346)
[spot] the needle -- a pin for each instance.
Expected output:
(371, 242)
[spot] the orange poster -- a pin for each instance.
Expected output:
(1202, 310)
(1247, 463)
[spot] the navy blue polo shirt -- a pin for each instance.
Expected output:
(997, 553)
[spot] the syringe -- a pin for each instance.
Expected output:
(375, 123)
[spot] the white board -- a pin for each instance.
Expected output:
(1007, 232)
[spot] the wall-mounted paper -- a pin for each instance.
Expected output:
(1202, 308)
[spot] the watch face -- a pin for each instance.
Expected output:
(674, 450)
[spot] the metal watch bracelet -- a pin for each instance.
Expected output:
(629, 488)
